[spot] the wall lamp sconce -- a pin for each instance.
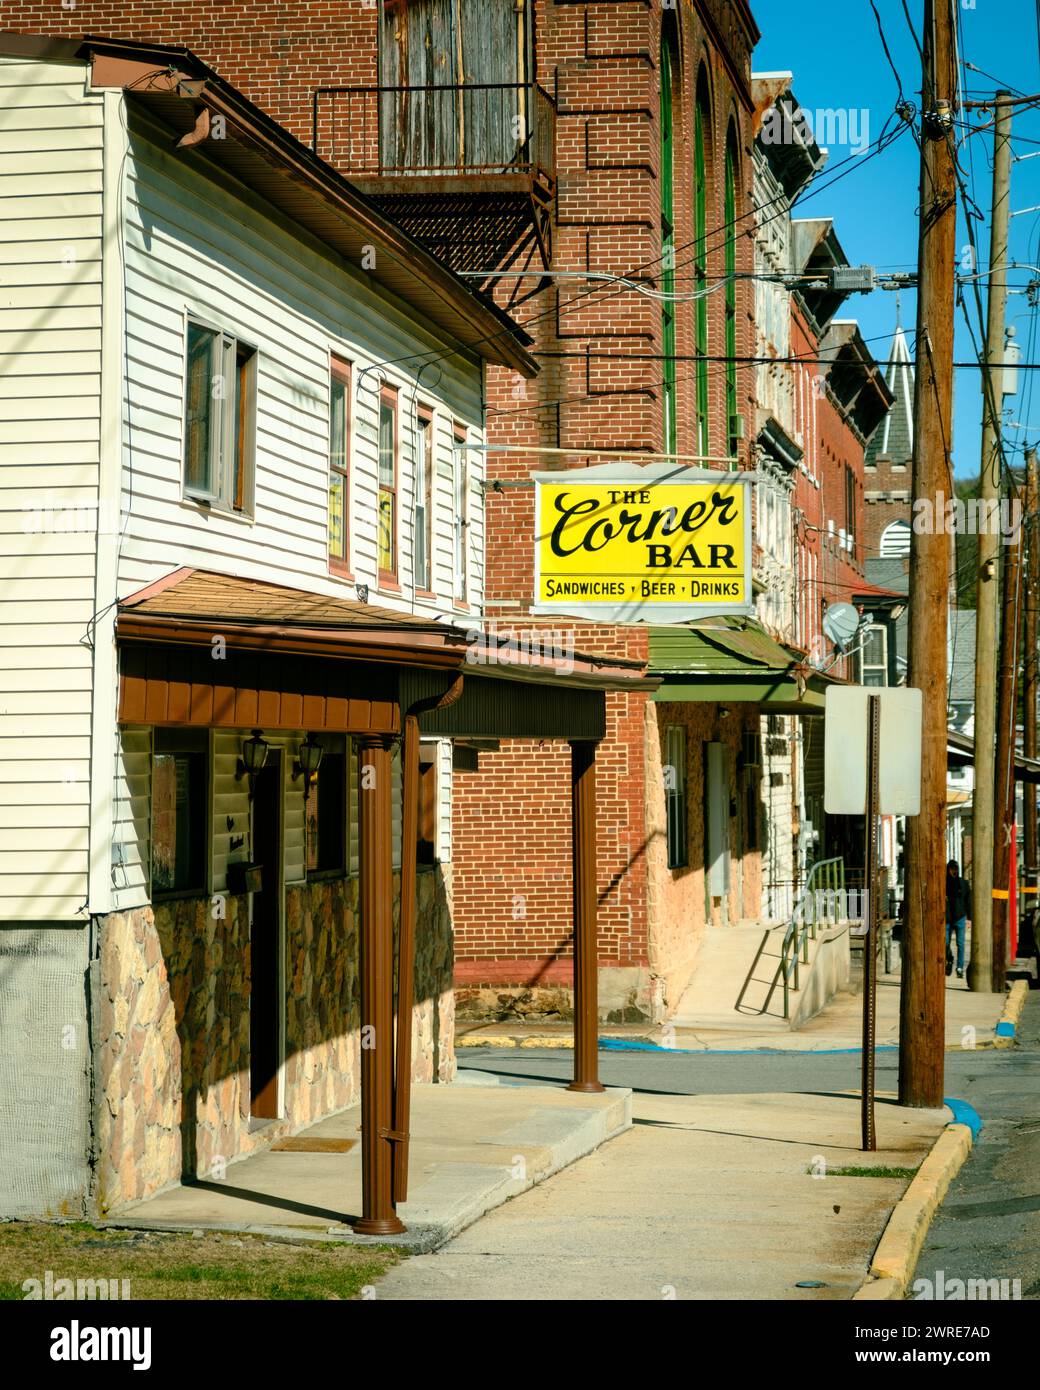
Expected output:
(307, 763)
(253, 759)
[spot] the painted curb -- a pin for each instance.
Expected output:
(1008, 1025)
(895, 1258)
(559, 1041)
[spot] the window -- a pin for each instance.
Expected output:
(424, 503)
(426, 849)
(675, 796)
(895, 540)
(669, 65)
(702, 122)
(339, 465)
(460, 469)
(220, 419)
(388, 483)
(730, 223)
(326, 821)
(850, 507)
(873, 656)
(179, 812)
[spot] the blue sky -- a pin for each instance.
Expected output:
(838, 61)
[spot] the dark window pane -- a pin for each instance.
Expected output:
(200, 413)
(326, 816)
(178, 822)
(338, 424)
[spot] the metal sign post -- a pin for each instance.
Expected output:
(870, 874)
(872, 768)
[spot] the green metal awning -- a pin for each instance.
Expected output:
(731, 660)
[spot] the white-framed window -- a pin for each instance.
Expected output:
(895, 540)
(460, 514)
(425, 456)
(219, 418)
(873, 656)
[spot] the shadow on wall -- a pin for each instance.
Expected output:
(173, 1052)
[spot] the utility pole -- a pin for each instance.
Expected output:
(1004, 851)
(1029, 673)
(922, 1004)
(980, 966)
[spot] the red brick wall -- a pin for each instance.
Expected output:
(600, 386)
(274, 51)
(828, 573)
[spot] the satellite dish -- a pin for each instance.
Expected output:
(841, 623)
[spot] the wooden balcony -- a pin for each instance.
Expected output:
(469, 169)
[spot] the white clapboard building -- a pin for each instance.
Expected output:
(240, 419)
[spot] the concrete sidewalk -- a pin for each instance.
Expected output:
(706, 1197)
(837, 1028)
(474, 1145)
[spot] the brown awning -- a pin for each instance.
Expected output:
(205, 649)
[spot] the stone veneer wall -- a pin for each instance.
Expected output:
(172, 1049)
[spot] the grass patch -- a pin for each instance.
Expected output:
(166, 1266)
(906, 1173)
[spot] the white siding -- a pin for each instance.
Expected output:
(194, 247)
(230, 800)
(132, 820)
(51, 141)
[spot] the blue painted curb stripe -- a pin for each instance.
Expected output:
(1005, 1030)
(628, 1045)
(964, 1114)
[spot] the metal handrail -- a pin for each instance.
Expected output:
(818, 905)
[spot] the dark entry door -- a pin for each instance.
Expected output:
(265, 1002)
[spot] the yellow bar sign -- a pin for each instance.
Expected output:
(639, 543)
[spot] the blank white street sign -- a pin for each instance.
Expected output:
(845, 750)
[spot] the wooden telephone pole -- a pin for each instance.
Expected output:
(985, 811)
(1029, 663)
(923, 991)
(1004, 848)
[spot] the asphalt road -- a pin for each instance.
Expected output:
(969, 1075)
(989, 1225)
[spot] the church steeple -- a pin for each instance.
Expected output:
(894, 439)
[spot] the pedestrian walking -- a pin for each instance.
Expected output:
(958, 904)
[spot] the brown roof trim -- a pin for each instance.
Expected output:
(396, 647)
(148, 69)
(190, 607)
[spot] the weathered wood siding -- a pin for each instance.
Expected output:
(50, 363)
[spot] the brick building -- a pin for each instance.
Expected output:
(653, 181)
(819, 399)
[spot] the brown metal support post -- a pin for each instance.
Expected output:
(870, 943)
(583, 858)
(406, 953)
(922, 997)
(1004, 852)
(378, 1217)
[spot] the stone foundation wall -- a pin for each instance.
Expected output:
(172, 1051)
